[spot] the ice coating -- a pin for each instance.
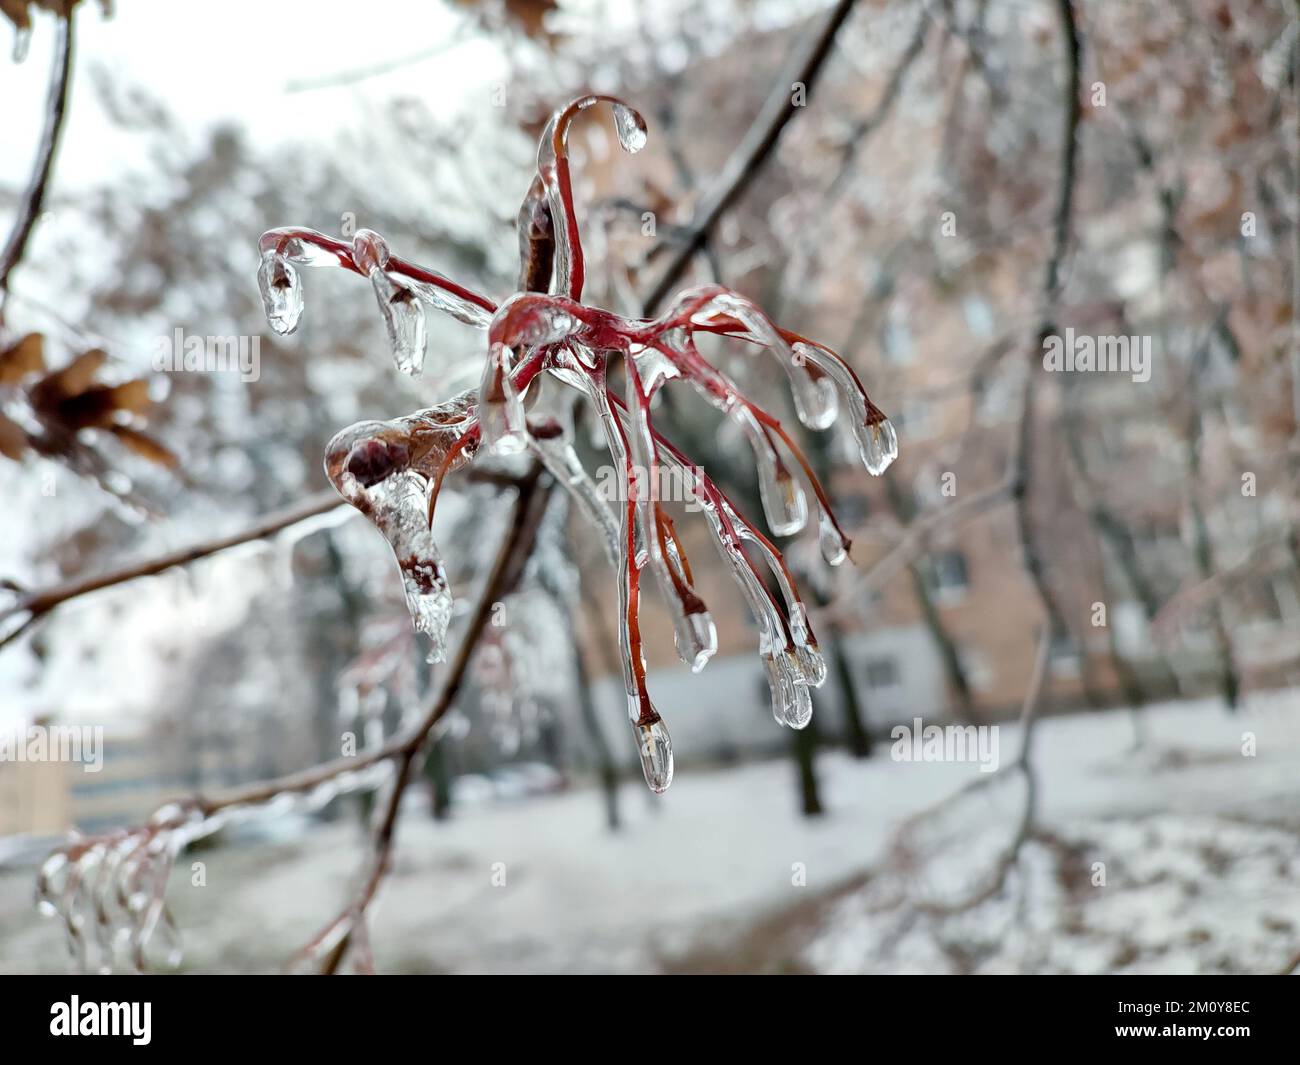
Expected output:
(501, 416)
(404, 320)
(281, 291)
(109, 891)
(393, 470)
(656, 750)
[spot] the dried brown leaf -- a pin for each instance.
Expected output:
(72, 380)
(25, 357)
(145, 446)
(13, 441)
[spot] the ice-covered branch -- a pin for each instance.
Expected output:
(29, 208)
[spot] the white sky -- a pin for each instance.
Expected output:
(233, 60)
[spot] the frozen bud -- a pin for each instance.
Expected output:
(281, 292)
(371, 461)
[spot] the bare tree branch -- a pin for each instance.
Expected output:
(752, 153)
(36, 604)
(55, 111)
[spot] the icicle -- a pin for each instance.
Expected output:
(791, 700)
(403, 315)
(814, 393)
(281, 292)
(53, 872)
(695, 635)
(385, 470)
(877, 440)
(501, 416)
(830, 541)
(656, 750)
(630, 127)
(879, 444)
(784, 504)
(404, 320)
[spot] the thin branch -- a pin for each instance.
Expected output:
(389, 66)
(1020, 467)
(916, 538)
(750, 155)
(37, 604)
(1050, 298)
(55, 112)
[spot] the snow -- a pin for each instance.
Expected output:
(1199, 841)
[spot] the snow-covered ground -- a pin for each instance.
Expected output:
(1200, 845)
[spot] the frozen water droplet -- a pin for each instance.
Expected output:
(830, 541)
(799, 712)
(656, 751)
(631, 128)
(784, 504)
(23, 41)
(404, 320)
(501, 415)
(877, 440)
(697, 639)
(384, 469)
(812, 664)
(281, 292)
(791, 701)
(49, 881)
(815, 398)
(369, 250)
(879, 445)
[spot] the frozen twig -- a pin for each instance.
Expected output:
(34, 605)
(29, 209)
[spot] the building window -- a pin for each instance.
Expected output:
(882, 673)
(947, 576)
(1063, 657)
